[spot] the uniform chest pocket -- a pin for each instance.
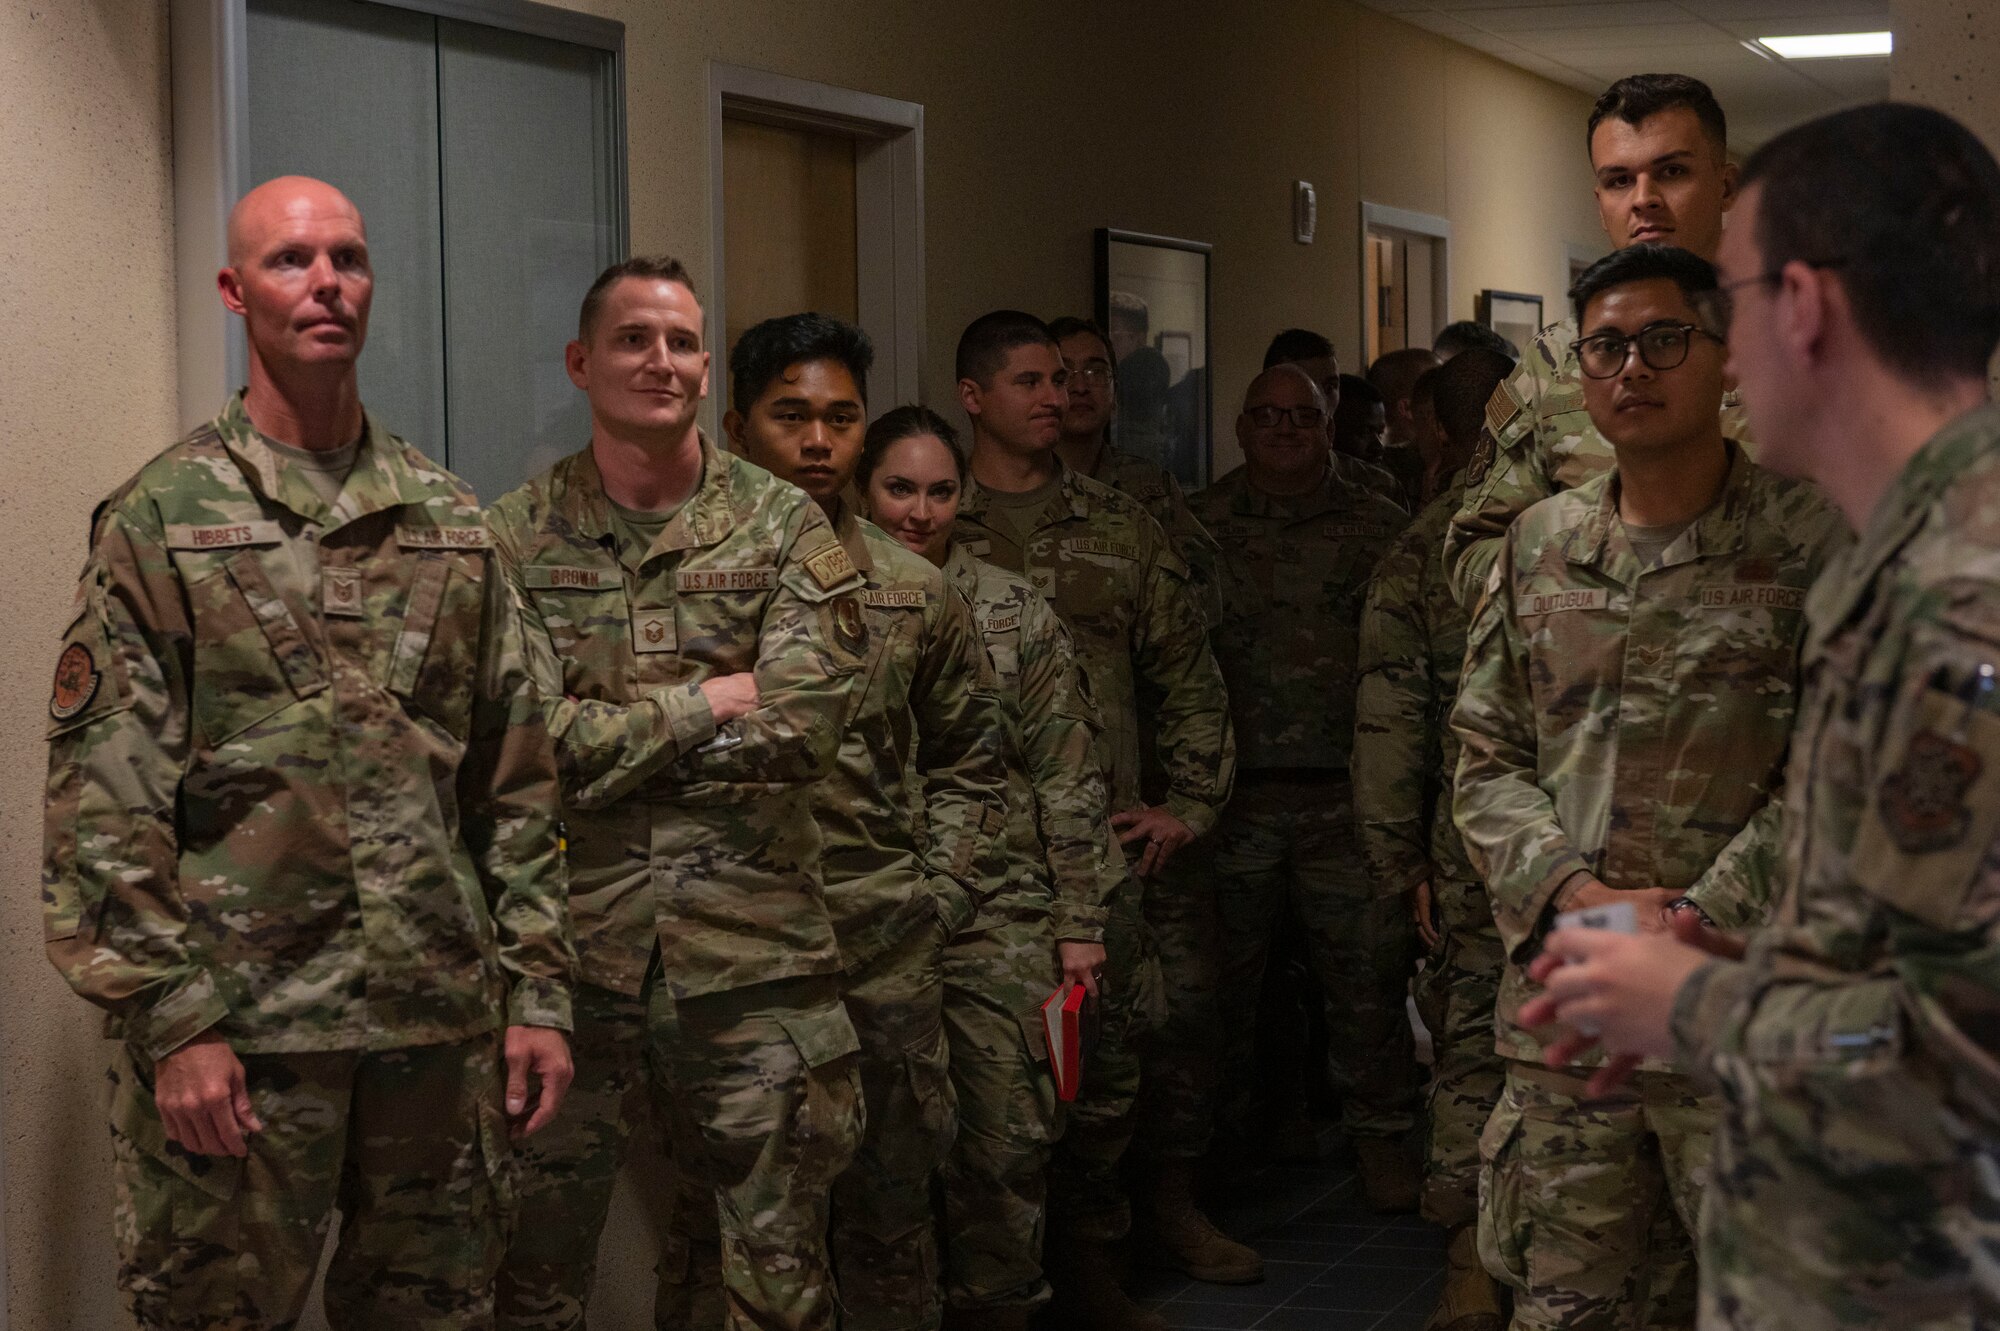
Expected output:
(251, 658)
(434, 663)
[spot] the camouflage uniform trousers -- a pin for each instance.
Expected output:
(409, 1144)
(885, 1252)
(1294, 839)
(995, 1195)
(1586, 1206)
(757, 1089)
(1455, 997)
(1182, 1056)
(1087, 1198)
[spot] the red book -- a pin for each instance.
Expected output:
(1069, 1020)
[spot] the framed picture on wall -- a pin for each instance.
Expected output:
(1152, 300)
(1514, 315)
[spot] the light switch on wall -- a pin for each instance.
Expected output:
(1305, 211)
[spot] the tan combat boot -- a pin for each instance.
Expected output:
(1471, 1299)
(1182, 1239)
(1087, 1295)
(1389, 1178)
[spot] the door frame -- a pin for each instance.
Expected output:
(888, 139)
(209, 53)
(1379, 216)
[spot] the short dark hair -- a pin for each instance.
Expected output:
(1358, 399)
(1644, 263)
(900, 423)
(657, 267)
(1425, 388)
(1294, 345)
(1070, 325)
(1903, 204)
(1637, 98)
(1462, 387)
(1395, 373)
(1455, 338)
(984, 345)
(766, 350)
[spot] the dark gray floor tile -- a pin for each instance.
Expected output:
(1319, 1319)
(1227, 1316)
(1362, 1288)
(1281, 1281)
(1376, 1253)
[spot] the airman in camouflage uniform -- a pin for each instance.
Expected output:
(1405, 758)
(911, 814)
(1124, 595)
(1658, 151)
(1625, 708)
(1059, 872)
(1296, 561)
(709, 962)
(1856, 1170)
(300, 829)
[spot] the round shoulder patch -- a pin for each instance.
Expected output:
(76, 682)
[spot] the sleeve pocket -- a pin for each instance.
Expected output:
(1931, 820)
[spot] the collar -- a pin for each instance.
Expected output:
(386, 474)
(973, 502)
(1331, 494)
(1906, 505)
(854, 540)
(1599, 540)
(577, 494)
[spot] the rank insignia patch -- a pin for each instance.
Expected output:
(76, 682)
(1922, 803)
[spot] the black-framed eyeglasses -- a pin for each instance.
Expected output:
(1097, 374)
(1663, 345)
(1306, 418)
(1718, 307)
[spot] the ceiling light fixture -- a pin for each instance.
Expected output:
(1830, 45)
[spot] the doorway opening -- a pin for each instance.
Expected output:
(1405, 279)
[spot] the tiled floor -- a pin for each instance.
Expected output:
(1330, 1263)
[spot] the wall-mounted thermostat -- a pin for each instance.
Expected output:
(1305, 211)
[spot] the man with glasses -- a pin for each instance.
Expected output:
(1659, 151)
(1854, 1181)
(1629, 687)
(1086, 447)
(1125, 597)
(1298, 546)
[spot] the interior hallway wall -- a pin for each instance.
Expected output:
(1043, 121)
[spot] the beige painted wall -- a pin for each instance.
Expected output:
(1945, 56)
(1044, 120)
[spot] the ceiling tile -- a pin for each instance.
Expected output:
(1528, 18)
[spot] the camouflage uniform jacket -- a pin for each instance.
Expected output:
(1115, 581)
(912, 814)
(299, 789)
(1294, 574)
(1633, 723)
(1538, 440)
(1405, 754)
(685, 837)
(1161, 495)
(1057, 840)
(1857, 1042)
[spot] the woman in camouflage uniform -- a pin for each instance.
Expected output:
(1043, 925)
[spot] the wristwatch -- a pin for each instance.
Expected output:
(1689, 903)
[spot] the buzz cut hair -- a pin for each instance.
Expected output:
(987, 341)
(1294, 345)
(1637, 98)
(1070, 325)
(653, 267)
(1690, 272)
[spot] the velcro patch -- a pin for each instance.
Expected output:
(340, 592)
(443, 538)
(76, 683)
(568, 577)
(222, 535)
(892, 599)
(830, 567)
(1502, 408)
(1092, 545)
(978, 548)
(1006, 623)
(726, 579)
(1549, 603)
(1772, 596)
(653, 631)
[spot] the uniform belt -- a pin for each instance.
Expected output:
(1291, 776)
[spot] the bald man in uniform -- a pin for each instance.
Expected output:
(301, 839)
